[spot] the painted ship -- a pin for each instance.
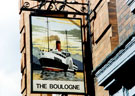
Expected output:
(57, 60)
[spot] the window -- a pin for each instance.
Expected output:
(131, 4)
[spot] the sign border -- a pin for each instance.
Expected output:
(31, 71)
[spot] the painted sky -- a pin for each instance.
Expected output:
(10, 75)
(57, 27)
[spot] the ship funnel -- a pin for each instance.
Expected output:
(58, 45)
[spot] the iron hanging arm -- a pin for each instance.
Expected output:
(57, 9)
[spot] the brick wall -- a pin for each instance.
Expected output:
(25, 51)
(105, 34)
(105, 31)
(126, 20)
(113, 23)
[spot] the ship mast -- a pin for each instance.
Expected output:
(48, 33)
(66, 40)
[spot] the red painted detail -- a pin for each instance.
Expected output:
(53, 69)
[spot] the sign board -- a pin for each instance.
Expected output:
(56, 55)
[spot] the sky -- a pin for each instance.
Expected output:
(10, 75)
(57, 28)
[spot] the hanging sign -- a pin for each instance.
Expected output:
(56, 55)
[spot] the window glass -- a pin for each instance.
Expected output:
(131, 4)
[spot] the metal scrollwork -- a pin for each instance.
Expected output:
(83, 9)
(56, 6)
(62, 7)
(26, 5)
(51, 7)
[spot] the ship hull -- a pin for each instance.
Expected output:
(53, 65)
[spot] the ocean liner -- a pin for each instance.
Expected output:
(57, 60)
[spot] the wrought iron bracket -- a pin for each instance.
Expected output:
(54, 6)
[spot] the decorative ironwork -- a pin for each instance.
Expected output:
(56, 6)
(26, 5)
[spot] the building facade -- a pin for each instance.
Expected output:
(114, 73)
(113, 47)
